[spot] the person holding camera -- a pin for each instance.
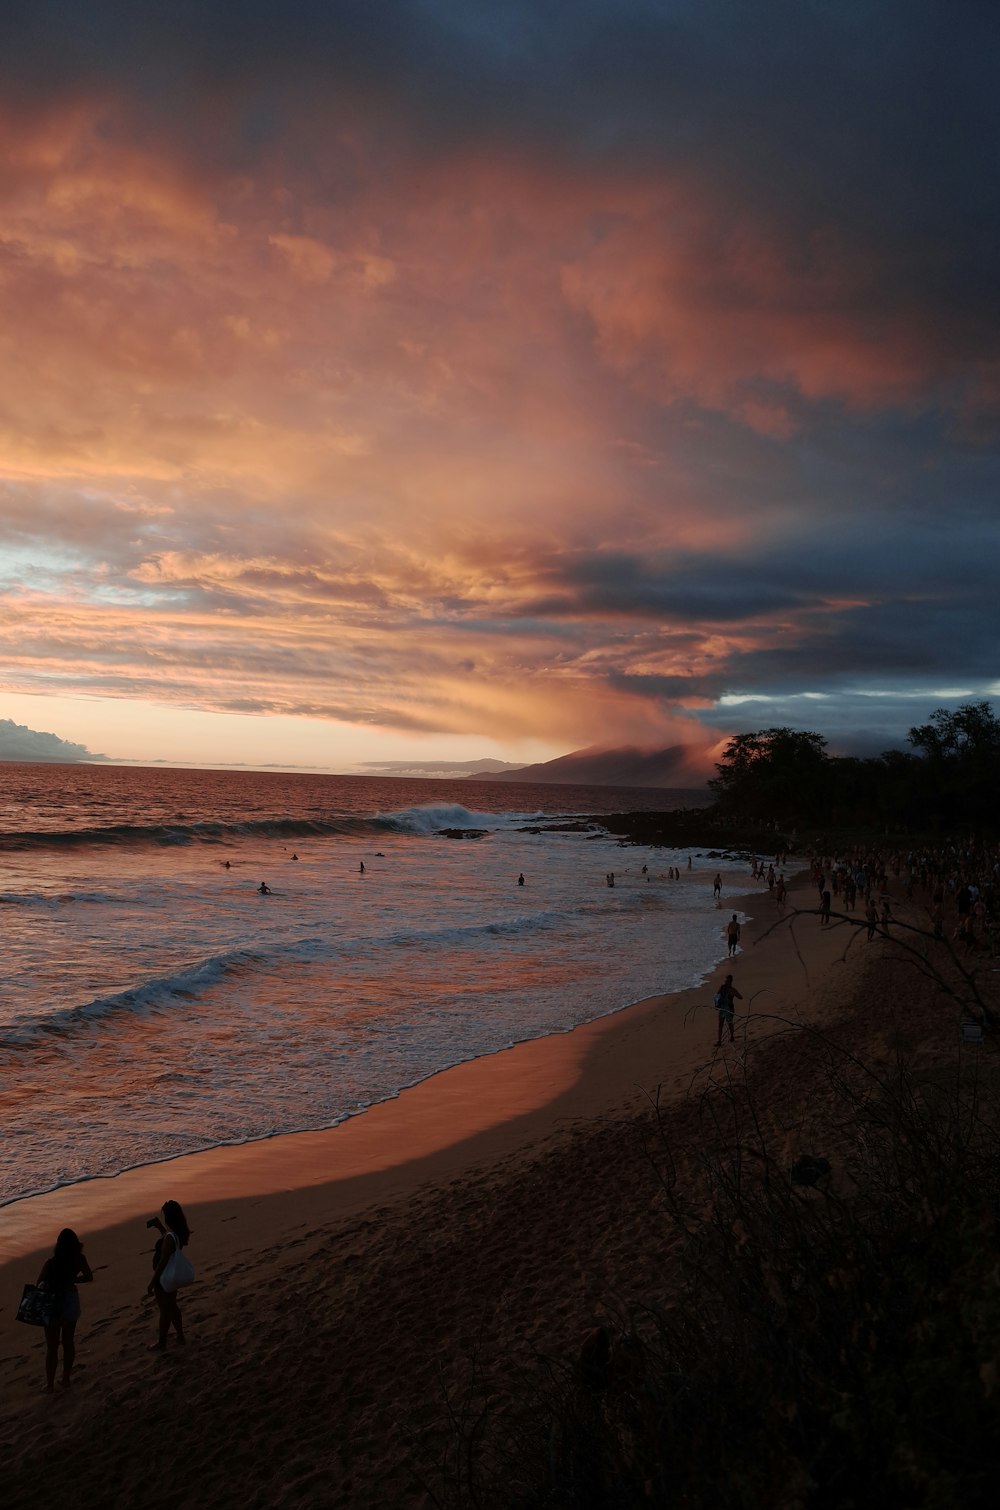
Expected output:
(168, 1259)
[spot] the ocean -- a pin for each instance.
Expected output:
(154, 1003)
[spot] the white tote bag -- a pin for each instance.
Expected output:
(179, 1269)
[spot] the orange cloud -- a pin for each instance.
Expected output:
(687, 305)
(314, 452)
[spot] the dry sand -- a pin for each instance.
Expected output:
(347, 1278)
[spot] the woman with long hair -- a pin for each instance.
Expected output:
(60, 1274)
(174, 1235)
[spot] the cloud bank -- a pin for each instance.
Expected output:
(597, 373)
(17, 742)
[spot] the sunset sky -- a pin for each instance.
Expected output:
(434, 379)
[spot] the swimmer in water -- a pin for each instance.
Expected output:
(361, 868)
(520, 880)
(264, 889)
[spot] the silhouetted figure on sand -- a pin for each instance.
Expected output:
(60, 1274)
(171, 1270)
(725, 1000)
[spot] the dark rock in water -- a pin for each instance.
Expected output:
(809, 1169)
(571, 826)
(463, 833)
(685, 828)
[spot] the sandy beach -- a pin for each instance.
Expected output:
(349, 1280)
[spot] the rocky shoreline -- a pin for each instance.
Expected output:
(691, 828)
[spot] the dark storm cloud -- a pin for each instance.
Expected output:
(879, 123)
(674, 589)
(937, 566)
(815, 625)
(831, 95)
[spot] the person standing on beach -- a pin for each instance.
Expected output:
(733, 933)
(174, 1235)
(824, 909)
(725, 999)
(60, 1274)
(727, 995)
(871, 916)
(717, 886)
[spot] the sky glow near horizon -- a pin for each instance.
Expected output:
(433, 381)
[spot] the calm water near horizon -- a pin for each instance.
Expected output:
(153, 1003)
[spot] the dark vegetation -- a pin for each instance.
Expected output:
(776, 786)
(827, 1333)
(948, 780)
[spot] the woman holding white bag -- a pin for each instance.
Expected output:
(172, 1269)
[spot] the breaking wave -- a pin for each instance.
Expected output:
(419, 821)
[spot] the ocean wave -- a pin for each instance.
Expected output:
(432, 819)
(415, 820)
(144, 999)
(51, 900)
(458, 936)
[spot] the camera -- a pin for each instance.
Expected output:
(154, 1221)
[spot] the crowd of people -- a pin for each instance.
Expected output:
(956, 885)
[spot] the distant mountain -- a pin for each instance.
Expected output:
(677, 766)
(485, 766)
